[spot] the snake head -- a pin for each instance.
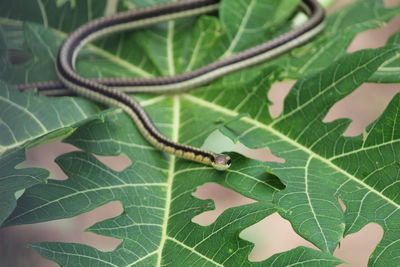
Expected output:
(221, 162)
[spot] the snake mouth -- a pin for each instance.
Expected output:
(221, 162)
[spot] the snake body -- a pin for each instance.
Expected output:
(104, 90)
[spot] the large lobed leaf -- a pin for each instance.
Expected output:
(322, 166)
(12, 180)
(27, 120)
(156, 190)
(342, 27)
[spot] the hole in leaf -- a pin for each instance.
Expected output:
(223, 197)
(116, 163)
(13, 249)
(277, 95)
(13, 240)
(83, 221)
(339, 5)
(342, 205)
(218, 143)
(272, 235)
(363, 106)
(391, 3)
(376, 37)
(356, 248)
(261, 154)
(43, 156)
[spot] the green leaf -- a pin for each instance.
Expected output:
(36, 61)
(196, 249)
(206, 36)
(14, 179)
(320, 165)
(65, 15)
(158, 207)
(341, 28)
(245, 23)
(302, 256)
(26, 117)
(27, 120)
(42, 46)
(389, 71)
(316, 154)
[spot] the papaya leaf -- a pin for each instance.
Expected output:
(388, 72)
(320, 164)
(341, 28)
(27, 117)
(13, 180)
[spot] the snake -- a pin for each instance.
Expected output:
(114, 91)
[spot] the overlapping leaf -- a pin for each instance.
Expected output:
(245, 21)
(341, 28)
(322, 166)
(27, 120)
(156, 190)
(27, 117)
(12, 180)
(388, 73)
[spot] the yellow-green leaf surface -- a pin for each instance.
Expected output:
(320, 165)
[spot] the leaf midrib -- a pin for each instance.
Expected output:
(170, 177)
(239, 33)
(193, 250)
